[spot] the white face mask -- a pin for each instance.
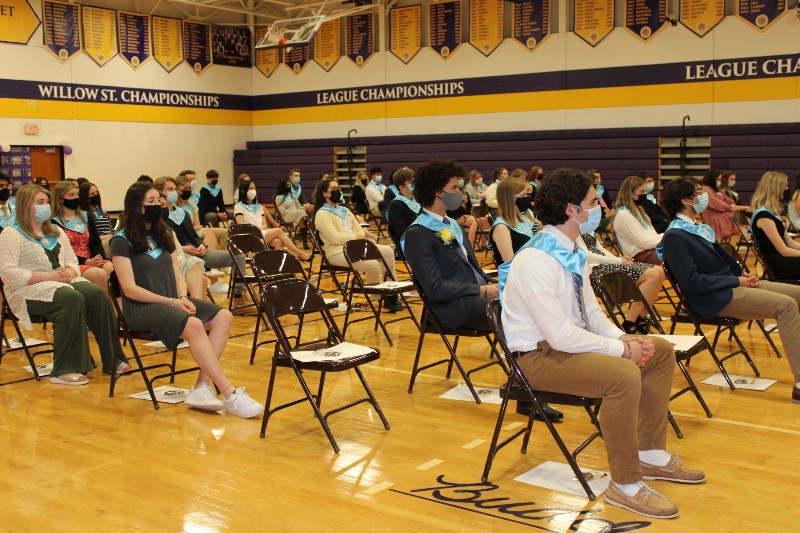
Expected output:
(251, 194)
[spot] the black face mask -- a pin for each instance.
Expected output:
(5, 194)
(213, 183)
(337, 196)
(94, 200)
(186, 194)
(72, 203)
(152, 213)
(523, 204)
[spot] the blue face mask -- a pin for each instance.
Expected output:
(42, 213)
(649, 188)
(702, 203)
(592, 222)
(192, 184)
(378, 178)
(460, 184)
(411, 188)
(172, 197)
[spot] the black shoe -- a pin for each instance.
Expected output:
(525, 409)
(393, 304)
(629, 327)
(643, 325)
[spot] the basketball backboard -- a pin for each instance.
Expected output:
(290, 32)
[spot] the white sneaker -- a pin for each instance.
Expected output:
(214, 273)
(203, 397)
(219, 287)
(240, 404)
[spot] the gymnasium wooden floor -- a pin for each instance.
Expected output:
(74, 459)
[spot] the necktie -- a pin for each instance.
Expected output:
(462, 254)
(577, 284)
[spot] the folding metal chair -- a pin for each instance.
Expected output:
(618, 290)
(115, 291)
(316, 240)
(247, 245)
(5, 343)
(519, 388)
(296, 296)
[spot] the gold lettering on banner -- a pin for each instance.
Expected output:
(701, 16)
(267, 60)
(328, 44)
(486, 24)
(762, 9)
(594, 20)
(167, 42)
(99, 33)
(406, 32)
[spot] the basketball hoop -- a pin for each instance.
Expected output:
(275, 34)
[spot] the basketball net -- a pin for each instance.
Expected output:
(275, 34)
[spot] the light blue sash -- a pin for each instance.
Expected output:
(45, 242)
(9, 220)
(481, 187)
(213, 190)
(295, 192)
(189, 208)
(701, 230)
(153, 249)
(253, 208)
(764, 209)
(381, 188)
(99, 213)
(411, 204)
(386, 207)
(523, 227)
(394, 190)
(78, 225)
(177, 216)
(651, 198)
(600, 190)
(640, 219)
(195, 198)
(340, 210)
(436, 226)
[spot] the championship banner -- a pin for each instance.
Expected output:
(167, 42)
(296, 58)
(645, 18)
(444, 27)
(701, 16)
(594, 20)
(62, 29)
(231, 46)
(197, 45)
(760, 13)
(134, 38)
(406, 32)
(360, 37)
(531, 22)
(266, 60)
(18, 21)
(99, 33)
(328, 44)
(485, 25)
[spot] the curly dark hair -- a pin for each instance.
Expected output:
(675, 191)
(432, 177)
(560, 188)
(137, 228)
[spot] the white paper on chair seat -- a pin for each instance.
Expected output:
(43, 370)
(560, 477)
(331, 301)
(215, 273)
(346, 350)
(28, 340)
(159, 344)
(490, 272)
(165, 394)
(744, 382)
(681, 342)
(392, 285)
(462, 393)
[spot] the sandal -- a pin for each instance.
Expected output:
(122, 367)
(69, 379)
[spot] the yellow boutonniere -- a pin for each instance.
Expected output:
(445, 236)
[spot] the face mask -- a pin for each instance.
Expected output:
(452, 200)
(732, 184)
(411, 188)
(592, 222)
(460, 184)
(649, 188)
(702, 203)
(719, 183)
(192, 184)
(295, 181)
(94, 200)
(213, 183)
(42, 213)
(186, 194)
(152, 213)
(336, 196)
(523, 204)
(5, 194)
(251, 194)
(172, 197)
(378, 178)
(72, 203)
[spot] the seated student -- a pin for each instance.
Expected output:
(728, 188)
(213, 238)
(490, 198)
(193, 268)
(551, 316)
(388, 195)
(463, 215)
(780, 251)
(511, 231)
(40, 275)
(635, 233)
(438, 252)
(291, 204)
(6, 202)
(82, 233)
(721, 208)
(249, 211)
(154, 299)
(475, 187)
(536, 175)
(212, 203)
(359, 194)
(712, 282)
(336, 225)
(606, 205)
(191, 178)
(649, 203)
(41, 181)
(375, 191)
(403, 210)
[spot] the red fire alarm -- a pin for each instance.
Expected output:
(31, 129)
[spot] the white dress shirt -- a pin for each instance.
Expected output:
(491, 195)
(374, 195)
(539, 304)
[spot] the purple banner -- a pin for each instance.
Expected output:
(296, 57)
(360, 37)
(17, 164)
(134, 38)
(62, 29)
(197, 45)
(231, 46)
(644, 18)
(444, 27)
(531, 22)
(760, 13)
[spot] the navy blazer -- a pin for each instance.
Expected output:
(706, 273)
(444, 276)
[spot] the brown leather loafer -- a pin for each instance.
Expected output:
(795, 395)
(672, 471)
(647, 502)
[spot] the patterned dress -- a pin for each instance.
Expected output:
(633, 270)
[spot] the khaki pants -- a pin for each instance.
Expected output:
(779, 301)
(633, 416)
(371, 269)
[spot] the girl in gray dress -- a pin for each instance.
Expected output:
(154, 299)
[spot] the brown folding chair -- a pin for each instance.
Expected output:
(316, 240)
(115, 291)
(519, 388)
(296, 296)
(358, 250)
(247, 245)
(618, 290)
(244, 229)
(5, 343)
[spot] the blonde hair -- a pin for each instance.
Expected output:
(241, 179)
(62, 188)
(25, 197)
(473, 175)
(769, 191)
(625, 198)
(507, 192)
(519, 173)
(160, 182)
